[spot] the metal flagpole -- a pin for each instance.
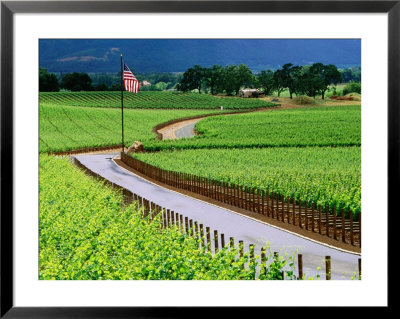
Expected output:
(122, 104)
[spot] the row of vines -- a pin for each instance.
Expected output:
(150, 100)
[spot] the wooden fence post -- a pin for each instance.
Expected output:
(216, 241)
(343, 226)
(172, 218)
(241, 251)
(294, 211)
(222, 241)
(231, 242)
(300, 219)
(262, 202)
(196, 231)
(241, 197)
(251, 250)
(252, 259)
(263, 255)
(272, 204)
(320, 219)
(359, 225)
(232, 193)
(312, 217)
(327, 220)
(181, 227)
(202, 235)
(164, 218)
(245, 199)
(208, 239)
(238, 196)
(191, 227)
(300, 266)
(283, 208)
(351, 228)
(254, 200)
(169, 218)
(228, 192)
(334, 223)
(306, 213)
(328, 267)
(186, 225)
(277, 207)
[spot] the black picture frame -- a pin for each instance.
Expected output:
(9, 8)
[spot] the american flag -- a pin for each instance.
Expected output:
(130, 82)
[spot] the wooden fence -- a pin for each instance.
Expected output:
(308, 216)
(169, 218)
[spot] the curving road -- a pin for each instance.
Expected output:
(225, 221)
(186, 131)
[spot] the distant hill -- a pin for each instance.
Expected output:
(174, 55)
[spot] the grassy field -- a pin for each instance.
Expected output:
(86, 234)
(339, 87)
(150, 100)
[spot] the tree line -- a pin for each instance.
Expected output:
(80, 81)
(310, 80)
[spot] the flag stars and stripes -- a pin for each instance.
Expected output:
(130, 82)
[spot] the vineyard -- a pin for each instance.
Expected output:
(150, 100)
(63, 128)
(323, 175)
(117, 243)
(309, 154)
(314, 126)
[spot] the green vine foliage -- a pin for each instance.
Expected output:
(86, 233)
(150, 100)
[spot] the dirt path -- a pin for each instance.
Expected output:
(169, 132)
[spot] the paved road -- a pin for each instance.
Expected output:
(225, 221)
(186, 131)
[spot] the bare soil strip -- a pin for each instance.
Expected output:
(168, 132)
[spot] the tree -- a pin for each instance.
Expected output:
(291, 77)
(228, 79)
(279, 83)
(310, 81)
(192, 79)
(244, 77)
(266, 81)
(77, 82)
(352, 87)
(161, 86)
(235, 77)
(351, 74)
(48, 82)
(328, 75)
(213, 78)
